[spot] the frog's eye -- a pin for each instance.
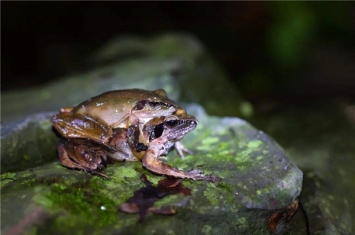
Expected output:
(140, 105)
(154, 103)
(171, 123)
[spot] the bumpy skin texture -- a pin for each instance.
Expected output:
(96, 117)
(125, 125)
(114, 107)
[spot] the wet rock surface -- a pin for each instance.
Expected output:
(320, 139)
(27, 143)
(258, 180)
(256, 196)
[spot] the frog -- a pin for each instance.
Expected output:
(157, 138)
(152, 127)
(96, 117)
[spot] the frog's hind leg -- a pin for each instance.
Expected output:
(82, 157)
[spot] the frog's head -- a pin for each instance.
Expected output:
(169, 128)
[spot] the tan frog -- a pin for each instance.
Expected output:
(124, 125)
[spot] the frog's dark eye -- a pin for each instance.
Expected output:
(171, 123)
(154, 103)
(140, 105)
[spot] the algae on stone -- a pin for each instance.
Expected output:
(257, 179)
(34, 185)
(320, 139)
(27, 143)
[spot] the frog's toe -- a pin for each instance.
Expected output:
(65, 159)
(210, 178)
(195, 172)
(94, 172)
(181, 149)
(81, 157)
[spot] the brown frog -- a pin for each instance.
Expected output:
(124, 125)
(95, 118)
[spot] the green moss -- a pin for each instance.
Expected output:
(254, 144)
(210, 140)
(243, 156)
(207, 229)
(82, 205)
(123, 172)
(153, 178)
(7, 178)
(259, 158)
(45, 124)
(211, 194)
(241, 223)
(226, 186)
(28, 181)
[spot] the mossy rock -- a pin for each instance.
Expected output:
(258, 183)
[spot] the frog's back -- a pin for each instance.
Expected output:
(112, 106)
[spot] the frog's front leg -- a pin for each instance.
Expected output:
(181, 149)
(76, 154)
(151, 162)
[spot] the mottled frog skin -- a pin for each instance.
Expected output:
(124, 125)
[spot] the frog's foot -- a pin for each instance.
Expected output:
(197, 174)
(82, 157)
(181, 149)
(152, 163)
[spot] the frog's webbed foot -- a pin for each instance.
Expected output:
(152, 163)
(90, 159)
(181, 149)
(197, 174)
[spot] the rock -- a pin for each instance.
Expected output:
(320, 139)
(260, 187)
(27, 143)
(257, 194)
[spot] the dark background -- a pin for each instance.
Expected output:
(293, 52)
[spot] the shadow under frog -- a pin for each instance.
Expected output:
(144, 198)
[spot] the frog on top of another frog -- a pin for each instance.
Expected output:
(125, 125)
